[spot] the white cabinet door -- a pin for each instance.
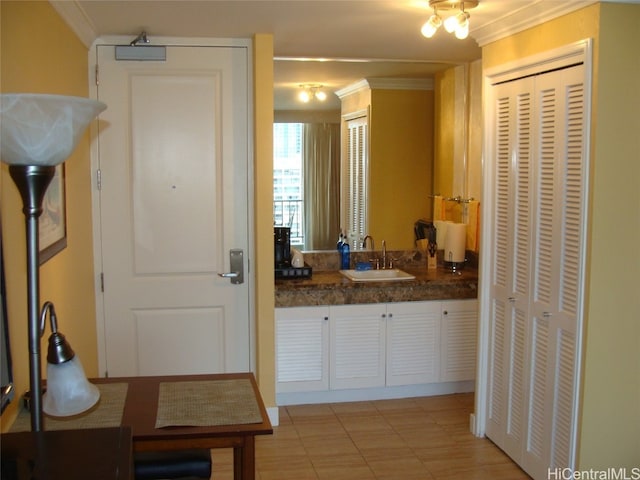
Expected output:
(357, 345)
(302, 349)
(458, 340)
(413, 343)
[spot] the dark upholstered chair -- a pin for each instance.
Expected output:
(179, 464)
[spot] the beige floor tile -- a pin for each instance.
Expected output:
(292, 446)
(354, 408)
(309, 413)
(424, 438)
(451, 417)
(402, 405)
(448, 467)
(441, 402)
(366, 441)
(401, 468)
(443, 453)
(366, 423)
(315, 430)
(506, 471)
(352, 473)
(338, 460)
(329, 446)
(411, 419)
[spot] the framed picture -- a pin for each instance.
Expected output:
(53, 221)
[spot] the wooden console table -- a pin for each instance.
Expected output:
(141, 407)
(179, 412)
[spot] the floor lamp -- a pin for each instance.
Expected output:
(38, 132)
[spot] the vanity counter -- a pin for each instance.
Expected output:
(332, 288)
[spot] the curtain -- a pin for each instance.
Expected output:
(321, 167)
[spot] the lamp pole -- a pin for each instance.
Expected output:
(32, 182)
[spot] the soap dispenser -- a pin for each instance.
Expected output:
(345, 255)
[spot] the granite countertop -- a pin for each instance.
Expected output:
(332, 288)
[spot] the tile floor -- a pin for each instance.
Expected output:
(424, 438)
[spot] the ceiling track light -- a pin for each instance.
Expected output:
(457, 23)
(311, 91)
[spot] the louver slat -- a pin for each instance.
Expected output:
(572, 208)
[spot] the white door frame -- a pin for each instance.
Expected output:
(580, 51)
(95, 196)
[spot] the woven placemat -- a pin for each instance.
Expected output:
(106, 413)
(207, 403)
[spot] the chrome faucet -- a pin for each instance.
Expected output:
(364, 242)
(384, 254)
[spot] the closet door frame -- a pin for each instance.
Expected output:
(578, 52)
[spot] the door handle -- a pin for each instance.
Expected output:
(229, 275)
(236, 265)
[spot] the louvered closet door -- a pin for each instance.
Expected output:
(510, 269)
(536, 248)
(558, 216)
(355, 187)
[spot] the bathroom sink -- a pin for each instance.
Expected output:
(388, 275)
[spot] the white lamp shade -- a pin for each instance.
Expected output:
(43, 129)
(68, 390)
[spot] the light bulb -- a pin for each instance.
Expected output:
(462, 29)
(304, 96)
(462, 32)
(451, 23)
(320, 95)
(431, 26)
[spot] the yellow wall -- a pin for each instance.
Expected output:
(611, 402)
(400, 163)
(610, 414)
(445, 94)
(458, 155)
(263, 171)
(40, 54)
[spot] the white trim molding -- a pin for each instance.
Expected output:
(535, 13)
(76, 18)
(386, 84)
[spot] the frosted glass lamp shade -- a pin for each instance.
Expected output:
(43, 129)
(68, 390)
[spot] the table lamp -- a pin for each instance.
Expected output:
(38, 132)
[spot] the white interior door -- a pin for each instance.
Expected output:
(173, 163)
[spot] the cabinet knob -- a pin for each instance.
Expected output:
(445, 312)
(384, 315)
(391, 315)
(326, 318)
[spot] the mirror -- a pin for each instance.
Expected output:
(386, 219)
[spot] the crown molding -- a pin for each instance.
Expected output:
(75, 17)
(535, 13)
(386, 84)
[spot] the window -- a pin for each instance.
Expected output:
(288, 192)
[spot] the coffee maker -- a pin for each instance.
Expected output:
(282, 245)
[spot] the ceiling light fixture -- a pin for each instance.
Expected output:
(458, 23)
(310, 91)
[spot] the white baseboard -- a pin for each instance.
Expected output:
(274, 416)
(380, 393)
